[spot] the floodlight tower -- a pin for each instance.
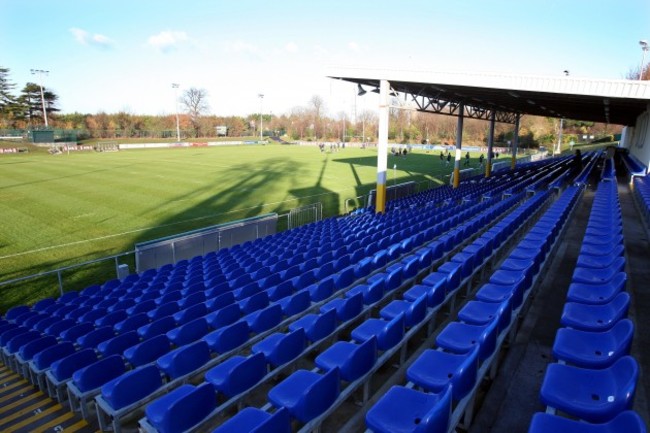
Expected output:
(178, 126)
(261, 96)
(644, 49)
(40, 73)
(559, 138)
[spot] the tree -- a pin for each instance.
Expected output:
(30, 101)
(317, 107)
(196, 103)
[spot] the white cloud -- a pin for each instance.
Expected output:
(167, 40)
(239, 47)
(91, 39)
(353, 46)
(291, 47)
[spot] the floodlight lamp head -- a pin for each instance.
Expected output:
(361, 90)
(644, 44)
(566, 72)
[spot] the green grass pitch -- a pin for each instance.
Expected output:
(65, 209)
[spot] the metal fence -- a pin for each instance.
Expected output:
(305, 215)
(159, 252)
(393, 192)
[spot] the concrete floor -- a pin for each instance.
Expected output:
(513, 397)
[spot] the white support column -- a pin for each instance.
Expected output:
(515, 141)
(382, 147)
(488, 165)
(459, 143)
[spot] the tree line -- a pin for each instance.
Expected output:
(309, 122)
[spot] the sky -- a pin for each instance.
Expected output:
(123, 55)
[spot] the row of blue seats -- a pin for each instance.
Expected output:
(590, 159)
(378, 285)
(641, 190)
(477, 207)
(358, 357)
(609, 171)
(594, 379)
(443, 381)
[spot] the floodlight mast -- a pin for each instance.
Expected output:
(40, 73)
(559, 138)
(178, 126)
(261, 96)
(644, 50)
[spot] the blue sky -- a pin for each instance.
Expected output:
(124, 54)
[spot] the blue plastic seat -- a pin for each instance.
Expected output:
(15, 312)
(228, 338)
(189, 332)
(388, 333)
(316, 326)
(15, 343)
(280, 291)
(157, 327)
(346, 308)
(29, 350)
(627, 421)
(254, 420)
(143, 305)
(371, 292)
(453, 271)
(306, 394)
(93, 338)
(280, 348)
(42, 325)
(148, 351)
(117, 345)
(595, 317)
(404, 410)
(131, 323)
(593, 349)
(184, 360)
(599, 262)
(98, 373)
(482, 313)
(264, 319)
(597, 293)
(599, 275)
(295, 303)
(435, 370)
(462, 338)
(352, 360)
(321, 290)
(256, 302)
(182, 408)
(224, 316)
(111, 319)
(589, 394)
(131, 386)
(438, 282)
(76, 331)
(63, 368)
(44, 359)
(163, 310)
(237, 374)
(414, 312)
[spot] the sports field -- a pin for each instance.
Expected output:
(66, 209)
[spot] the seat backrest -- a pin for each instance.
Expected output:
(319, 396)
(224, 316)
(256, 302)
(465, 379)
(111, 318)
(117, 345)
(228, 338)
(279, 422)
(625, 372)
(189, 332)
(14, 344)
(71, 334)
(98, 373)
(246, 374)
(392, 333)
(46, 357)
(297, 303)
(148, 351)
(131, 323)
(64, 367)
(219, 301)
(289, 347)
(437, 418)
(361, 361)
(266, 318)
(156, 327)
(350, 307)
(15, 312)
(185, 359)
(621, 303)
(132, 386)
(30, 349)
(323, 326)
(190, 409)
(93, 338)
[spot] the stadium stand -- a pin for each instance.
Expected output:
(309, 316)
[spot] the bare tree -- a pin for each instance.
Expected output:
(317, 106)
(195, 102)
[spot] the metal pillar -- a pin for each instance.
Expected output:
(488, 165)
(515, 141)
(382, 147)
(459, 144)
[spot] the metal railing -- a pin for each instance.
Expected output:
(305, 215)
